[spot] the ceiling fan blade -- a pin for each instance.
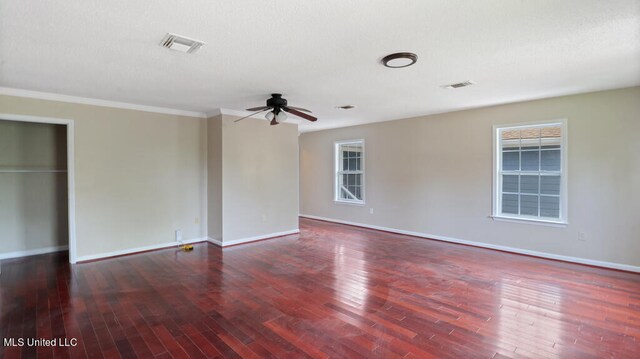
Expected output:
(300, 109)
(255, 113)
(258, 108)
(274, 122)
(299, 114)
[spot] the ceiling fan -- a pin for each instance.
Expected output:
(279, 107)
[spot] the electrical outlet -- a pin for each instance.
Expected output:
(178, 235)
(581, 237)
(370, 210)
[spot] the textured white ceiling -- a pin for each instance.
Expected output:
(320, 54)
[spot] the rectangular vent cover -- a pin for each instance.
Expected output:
(181, 43)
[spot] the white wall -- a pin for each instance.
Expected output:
(33, 203)
(433, 175)
(139, 175)
(260, 178)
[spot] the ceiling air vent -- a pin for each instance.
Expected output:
(458, 85)
(181, 43)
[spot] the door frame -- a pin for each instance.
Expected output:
(71, 170)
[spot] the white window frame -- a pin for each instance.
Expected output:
(337, 173)
(497, 178)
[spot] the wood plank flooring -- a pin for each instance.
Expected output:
(333, 291)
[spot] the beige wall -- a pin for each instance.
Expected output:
(433, 175)
(260, 178)
(214, 177)
(139, 175)
(33, 204)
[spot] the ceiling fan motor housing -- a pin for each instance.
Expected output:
(277, 102)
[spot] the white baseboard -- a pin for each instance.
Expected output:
(33, 252)
(217, 242)
(221, 243)
(137, 250)
(592, 262)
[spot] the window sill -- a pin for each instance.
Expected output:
(540, 222)
(352, 203)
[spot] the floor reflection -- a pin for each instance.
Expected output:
(529, 319)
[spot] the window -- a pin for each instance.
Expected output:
(530, 178)
(349, 177)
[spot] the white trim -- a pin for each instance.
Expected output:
(71, 170)
(597, 263)
(33, 252)
(350, 203)
(564, 171)
(213, 113)
(237, 113)
(96, 102)
(217, 242)
(138, 249)
(336, 170)
(222, 243)
(535, 221)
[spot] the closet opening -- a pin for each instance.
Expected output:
(37, 206)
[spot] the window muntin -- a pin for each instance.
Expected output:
(349, 177)
(530, 177)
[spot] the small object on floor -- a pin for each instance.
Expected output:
(186, 247)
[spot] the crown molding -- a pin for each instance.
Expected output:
(231, 112)
(96, 102)
(213, 113)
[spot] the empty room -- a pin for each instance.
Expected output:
(331, 179)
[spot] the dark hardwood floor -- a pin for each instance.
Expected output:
(333, 291)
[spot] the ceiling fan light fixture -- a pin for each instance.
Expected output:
(281, 117)
(269, 116)
(399, 60)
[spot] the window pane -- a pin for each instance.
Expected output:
(530, 136)
(510, 145)
(510, 161)
(343, 194)
(510, 183)
(349, 159)
(530, 144)
(530, 160)
(550, 206)
(529, 184)
(529, 205)
(510, 203)
(550, 142)
(550, 185)
(352, 164)
(550, 160)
